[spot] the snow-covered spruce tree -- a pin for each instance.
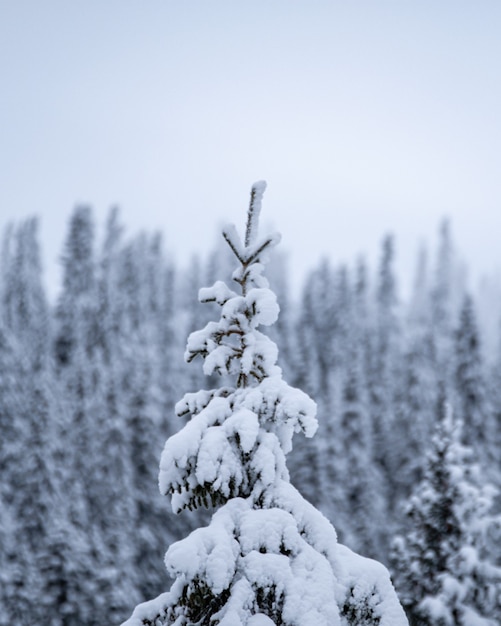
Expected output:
(443, 567)
(268, 557)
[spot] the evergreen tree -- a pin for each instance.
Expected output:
(494, 391)
(359, 493)
(267, 557)
(25, 307)
(469, 386)
(362, 320)
(446, 296)
(77, 304)
(138, 359)
(17, 573)
(304, 460)
(352, 486)
(96, 461)
(385, 368)
(417, 386)
(40, 579)
(312, 364)
(443, 569)
(419, 314)
(75, 350)
(415, 402)
(315, 333)
(441, 301)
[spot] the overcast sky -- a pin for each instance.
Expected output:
(363, 116)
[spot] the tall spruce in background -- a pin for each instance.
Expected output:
(384, 366)
(494, 393)
(267, 557)
(76, 309)
(75, 356)
(360, 503)
(442, 305)
(469, 385)
(417, 387)
(140, 275)
(307, 366)
(25, 307)
(81, 374)
(17, 574)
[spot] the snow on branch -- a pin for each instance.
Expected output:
(232, 238)
(256, 198)
(251, 251)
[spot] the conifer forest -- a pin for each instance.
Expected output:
(405, 464)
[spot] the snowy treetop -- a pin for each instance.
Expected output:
(268, 556)
(233, 345)
(236, 441)
(253, 253)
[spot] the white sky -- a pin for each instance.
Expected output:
(363, 117)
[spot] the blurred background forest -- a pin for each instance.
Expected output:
(88, 385)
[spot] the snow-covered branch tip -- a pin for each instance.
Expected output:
(249, 252)
(256, 198)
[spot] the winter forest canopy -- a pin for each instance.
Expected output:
(406, 463)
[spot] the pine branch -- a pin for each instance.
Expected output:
(254, 256)
(233, 240)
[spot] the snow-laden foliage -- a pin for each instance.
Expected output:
(445, 569)
(235, 442)
(267, 556)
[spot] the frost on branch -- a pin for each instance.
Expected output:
(251, 231)
(268, 557)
